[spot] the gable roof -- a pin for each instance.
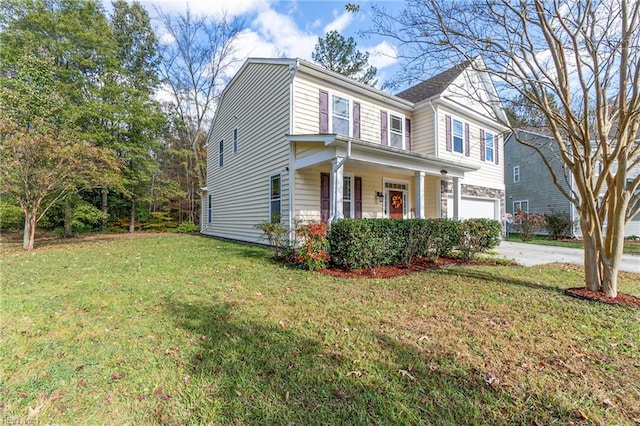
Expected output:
(434, 85)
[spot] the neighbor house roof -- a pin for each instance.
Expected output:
(435, 85)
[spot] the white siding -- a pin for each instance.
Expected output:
(490, 174)
(257, 103)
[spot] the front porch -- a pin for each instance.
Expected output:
(373, 181)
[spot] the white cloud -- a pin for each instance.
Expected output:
(340, 22)
(283, 32)
(382, 55)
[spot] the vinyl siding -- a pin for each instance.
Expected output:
(257, 103)
(490, 174)
(422, 134)
(306, 109)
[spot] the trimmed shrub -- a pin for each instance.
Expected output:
(313, 252)
(365, 243)
(559, 224)
(477, 235)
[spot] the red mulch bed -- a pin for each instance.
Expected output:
(393, 271)
(622, 299)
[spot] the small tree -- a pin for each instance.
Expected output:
(341, 55)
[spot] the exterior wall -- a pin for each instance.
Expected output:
(306, 109)
(490, 174)
(535, 185)
(257, 104)
(422, 132)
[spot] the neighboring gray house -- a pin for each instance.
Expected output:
(529, 185)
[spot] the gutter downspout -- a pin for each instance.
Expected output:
(292, 154)
(334, 190)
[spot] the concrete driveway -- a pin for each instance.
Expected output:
(535, 254)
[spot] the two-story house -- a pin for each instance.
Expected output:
(292, 140)
(529, 183)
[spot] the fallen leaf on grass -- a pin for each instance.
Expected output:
(405, 373)
(492, 380)
(34, 411)
(81, 383)
(171, 351)
(117, 376)
(354, 373)
(23, 394)
(608, 403)
(161, 395)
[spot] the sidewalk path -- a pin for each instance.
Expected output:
(536, 254)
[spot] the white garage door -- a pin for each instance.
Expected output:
(473, 208)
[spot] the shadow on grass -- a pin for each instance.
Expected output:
(498, 278)
(247, 370)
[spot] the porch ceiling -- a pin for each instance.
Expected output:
(336, 146)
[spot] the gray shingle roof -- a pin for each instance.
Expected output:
(433, 86)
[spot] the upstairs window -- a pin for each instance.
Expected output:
(516, 174)
(458, 136)
(221, 154)
(489, 147)
(340, 115)
(396, 131)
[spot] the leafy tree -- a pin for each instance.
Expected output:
(578, 64)
(341, 55)
(137, 119)
(195, 66)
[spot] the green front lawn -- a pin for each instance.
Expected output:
(191, 330)
(630, 247)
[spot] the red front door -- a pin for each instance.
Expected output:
(396, 204)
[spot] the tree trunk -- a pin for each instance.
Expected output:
(132, 217)
(105, 207)
(613, 251)
(68, 219)
(29, 235)
(592, 272)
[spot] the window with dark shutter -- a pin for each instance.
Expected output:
(324, 111)
(482, 145)
(407, 134)
(383, 128)
(356, 120)
(357, 189)
(447, 120)
(325, 197)
(467, 141)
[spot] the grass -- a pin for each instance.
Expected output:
(168, 329)
(630, 247)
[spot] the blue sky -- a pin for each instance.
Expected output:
(291, 28)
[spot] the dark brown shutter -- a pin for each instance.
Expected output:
(325, 197)
(357, 188)
(324, 111)
(356, 120)
(383, 128)
(467, 142)
(447, 119)
(407, 134)
(483, 145)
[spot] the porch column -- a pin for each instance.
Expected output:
(456, 198)
(337, 180)
(419, 195)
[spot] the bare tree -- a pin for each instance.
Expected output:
(578, 63)
(194, 67)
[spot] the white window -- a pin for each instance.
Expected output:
(347, 197)
(235, 140)
(520, 205)
(396, 131)
(210, 208)
(274, 199)
(489, 146)
(516, 174)
(221, 154)
(458, 136)
(340, 115)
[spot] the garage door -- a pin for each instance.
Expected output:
(473, 208)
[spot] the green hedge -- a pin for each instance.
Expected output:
(366, 243)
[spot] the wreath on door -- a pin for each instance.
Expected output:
(396, 201)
